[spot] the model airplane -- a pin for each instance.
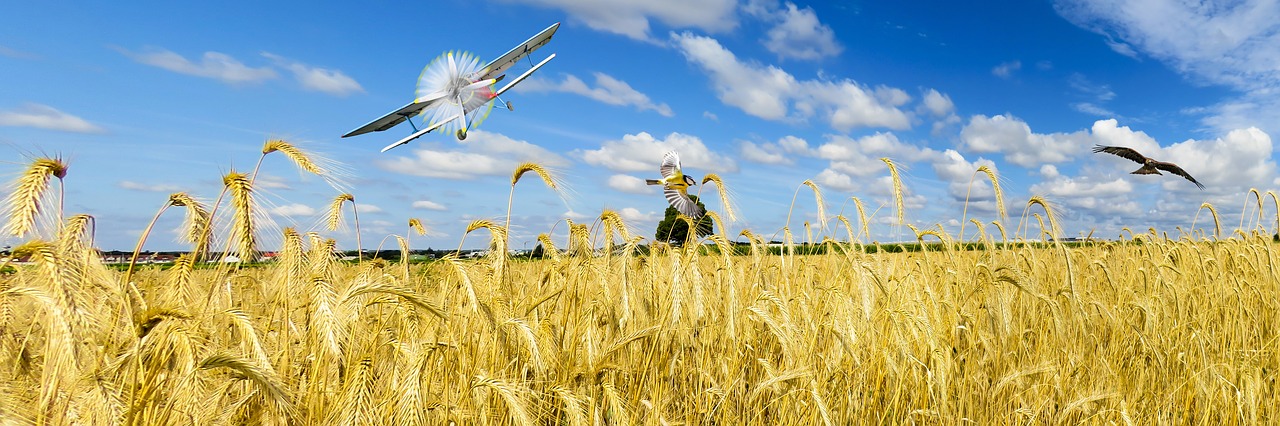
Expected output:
(455, 93)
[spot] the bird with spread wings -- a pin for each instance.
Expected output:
(675, 185)
(1149, 166)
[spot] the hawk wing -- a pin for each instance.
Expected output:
(1173, 168)
(1122, 152)
(670, 164)
(680, 200)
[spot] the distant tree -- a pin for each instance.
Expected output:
(537, 252)
(676, 231)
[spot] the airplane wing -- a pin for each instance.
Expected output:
(500, 65)
(419, 133)
(391, 119)
(526, 74)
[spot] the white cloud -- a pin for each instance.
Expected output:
(861, 156)
(631, 18)
(333, 82)
(608, 90)
(1231, 43)
(1229, 164)
(368, 208)
(1048, 171)
(781, 152)
(938, 104)
(633, 217)
(1013, 138)
(267, 181)
(46, 117)
(835, 180)
(483, 154)
(159, 187)
(215, 65)
(765, 153)
(429, 205)
(1091, 109)
(710, 116)
(629, 184)
(642, 153)
(953, 168)
(770, 93)
(1006, 69)
(293, 210)
(796, 32)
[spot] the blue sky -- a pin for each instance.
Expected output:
(147, 98)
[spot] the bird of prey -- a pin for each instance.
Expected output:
(675, 185)
(1149, 166)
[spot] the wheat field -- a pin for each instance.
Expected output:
(617, 330)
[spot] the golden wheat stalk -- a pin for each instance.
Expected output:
(723, 192)
(1276, 202)
(995, 185)
(613, 223)
(549, 179)
(1257, 195)
(265, 379)
(497, 244)
(1053, 222)
(1217, 226)
(242, 226)
(549, 247)
(820, 201)
(334, 218)
(27, 195)
(331, 171)
(195, 223)
(415, 226)
(897, 189)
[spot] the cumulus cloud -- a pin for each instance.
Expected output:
(861, 156)
(331, 81)
(367, 208)
(796, 33)
(1006, 69)
(633, 217)
(481, 154)
(781, 152)
(46, 117)
(608, 90)
(293, 210)
(1104, 191)
(643, 153)
(939, 106)
(156, 187)
(215, 65)
(763, 154)
(632, 18)
(937, 103)
(770, 93)
(629, 184)
(429, 205)
(835, 180)
(1014, 139)
(953, 168)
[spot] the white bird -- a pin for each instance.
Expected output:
(675, 185)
